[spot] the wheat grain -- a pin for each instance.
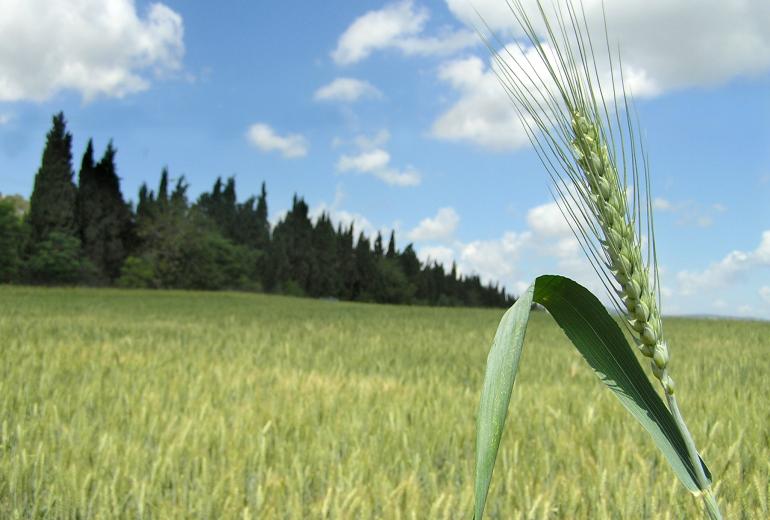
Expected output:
(577, 115)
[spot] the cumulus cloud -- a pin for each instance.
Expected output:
(347, 90)
(263, 137)
(365, 162)
(733, 267)
(493, 260)
(439, 254)
(661, 204)
(371, 159)
(483, 114)
(406, 177)
(694, 44)
(396, 26)
(93, 47)
(513, 258)
(438, 228)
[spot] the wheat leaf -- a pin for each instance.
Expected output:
(602, 344)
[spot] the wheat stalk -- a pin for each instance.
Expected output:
(579, 121)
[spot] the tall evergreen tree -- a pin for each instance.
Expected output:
(104, 218)
(391, 253)
(325, 279)
(379, 252)
(297, 231)
(162, 199)
(52, 205)
(365, 284)
(276, 271)
(262, 223)
(410, 263)
(346, 262)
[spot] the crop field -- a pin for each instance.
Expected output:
(132, 404)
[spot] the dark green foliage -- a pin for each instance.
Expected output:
(11, 241)
(366, 276)
(294, 238)
(19, 204)
(378, 250)
(104, 219)
(210, 261)
(391, 245)
(52, 205)
(57, 260)
(394, 285)
(325, 280)
(346, 262)
(137, 273)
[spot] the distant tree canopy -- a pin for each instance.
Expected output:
(88, 234)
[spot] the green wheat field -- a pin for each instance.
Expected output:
(132, 404)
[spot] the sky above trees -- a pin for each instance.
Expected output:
(388, 113)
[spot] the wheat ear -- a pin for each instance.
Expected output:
(579, 122)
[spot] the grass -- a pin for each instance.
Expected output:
(131, 404)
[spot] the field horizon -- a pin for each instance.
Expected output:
(182, 404)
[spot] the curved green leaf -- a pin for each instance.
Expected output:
(601, 342)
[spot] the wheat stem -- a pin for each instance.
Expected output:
(581, 138)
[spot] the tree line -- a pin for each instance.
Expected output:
(87, 233)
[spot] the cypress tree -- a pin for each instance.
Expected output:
(299, 248)
(392, 246)
(346, 262)
(162, 199)
(378, 249)
(52, 205)
(263, 225)
(325, 280)
(410, 264)
(117, 224)
(104, 218)
(366, 270)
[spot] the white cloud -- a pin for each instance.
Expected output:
(266, 139)
(661, 204)
(94, 47)
(548, 220)
(365, 162)
(371, 159)
(5, 119)
(493, 260)
(441, 254)
(693, 44)
(347, 90)
(731, 268)
(404, 178)
(514, 258)
(667, 44)
(438, 228)
(396, 26)
(483, 115)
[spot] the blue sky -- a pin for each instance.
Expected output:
(387, 113)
